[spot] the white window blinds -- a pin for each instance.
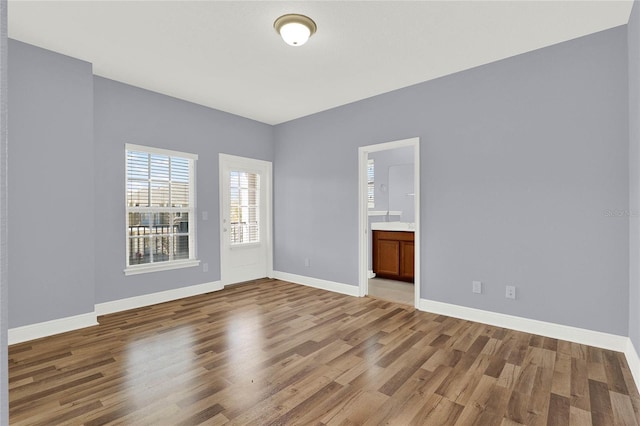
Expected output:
(160, 206)
(371, 184)
(244, 194)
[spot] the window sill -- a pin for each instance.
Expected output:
(163, 266)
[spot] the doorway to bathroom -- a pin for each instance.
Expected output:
(389, 206)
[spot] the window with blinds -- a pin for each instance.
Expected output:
(370, 184)
(160, 207)
(244, 202)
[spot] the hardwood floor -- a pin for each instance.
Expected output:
(272, 352)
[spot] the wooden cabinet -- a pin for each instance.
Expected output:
(393, 255)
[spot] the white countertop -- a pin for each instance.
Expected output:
(393, 226)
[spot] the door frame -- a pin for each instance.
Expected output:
(247, 164)
(363, 217)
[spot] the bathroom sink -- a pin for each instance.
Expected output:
(393, 226)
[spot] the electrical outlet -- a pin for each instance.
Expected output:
(205, 267)
(205, 215)
(307, 262)
(477, 287)
(511, 292)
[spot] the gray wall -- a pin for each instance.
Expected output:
(634, 175)
(520, 161)
(4, 283)
(126, 114)
(68, 130)
(524, 171)
(51, 198)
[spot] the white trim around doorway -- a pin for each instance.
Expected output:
(363, 216)
(248, 164)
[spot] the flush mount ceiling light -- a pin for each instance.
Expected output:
(295, 29)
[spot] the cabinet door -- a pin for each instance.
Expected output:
(406, 260)
(387, 258)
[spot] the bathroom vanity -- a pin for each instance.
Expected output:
(393, 250)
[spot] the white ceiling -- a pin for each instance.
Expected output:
(226, 54)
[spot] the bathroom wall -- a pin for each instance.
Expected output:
(401, 191)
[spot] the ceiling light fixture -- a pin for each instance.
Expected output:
(295, 29)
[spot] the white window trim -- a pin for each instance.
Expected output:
(160, 151)
(371, 204)
(162, 266)
(174, 264)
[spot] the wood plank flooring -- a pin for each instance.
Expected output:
(271, 352)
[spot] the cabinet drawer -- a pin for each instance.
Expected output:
(394, 235)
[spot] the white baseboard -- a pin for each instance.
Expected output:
(62, 325)
(542, 328)
(634, 362)
(572, 334)
(49, 328)
(155, 298)
(350, 290)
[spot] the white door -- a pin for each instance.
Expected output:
(245, 219)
